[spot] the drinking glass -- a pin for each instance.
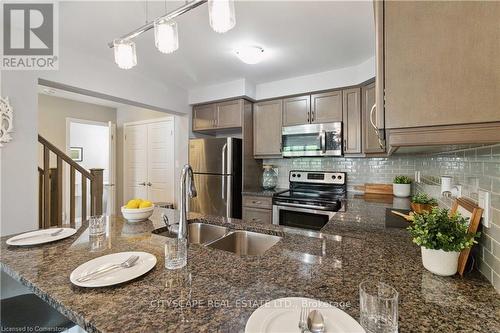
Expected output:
(97, 225)
(175, 252)
(378, 307)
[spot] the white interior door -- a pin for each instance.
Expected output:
(161, 162)
(136, 168)
(111, 207)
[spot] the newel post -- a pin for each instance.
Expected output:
(96, 191)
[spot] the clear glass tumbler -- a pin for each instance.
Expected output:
(97, 225)
(175, 253)
(378, 307)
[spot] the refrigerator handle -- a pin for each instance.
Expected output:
(229, 203)
(224, 151)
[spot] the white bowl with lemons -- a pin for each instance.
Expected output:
(137, 210)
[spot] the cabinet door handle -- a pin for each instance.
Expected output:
(149, 184)
(372, 112)
(377, 131)
(345, 144)
(256, 220)
(256, 202)
(142, 184)
(313, 115)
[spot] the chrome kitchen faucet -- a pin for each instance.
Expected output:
(187, 171)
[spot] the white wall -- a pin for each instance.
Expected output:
(332, 79)
(219, 91)
(94, 139)
(336, 78)
(19, 158)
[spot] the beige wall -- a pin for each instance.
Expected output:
(53, 111)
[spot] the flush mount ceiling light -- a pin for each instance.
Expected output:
(125, 56)
(221, 15)
(166, 37)
(250, 54)
(221, 19)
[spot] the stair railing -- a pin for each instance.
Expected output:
(50, 196)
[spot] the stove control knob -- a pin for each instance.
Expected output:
(298, 175)
(293, 175)
(339, 177)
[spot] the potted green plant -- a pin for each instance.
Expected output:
(441, 237)
(422, 202)
(401, 186)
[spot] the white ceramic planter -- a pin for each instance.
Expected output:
(440, 262)
(401, 190)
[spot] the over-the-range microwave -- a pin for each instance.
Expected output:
(312, 140)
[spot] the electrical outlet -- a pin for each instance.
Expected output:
(484, 203)
(417, 177)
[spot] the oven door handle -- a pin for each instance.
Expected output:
(302, 208)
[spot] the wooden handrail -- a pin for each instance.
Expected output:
(51, 188)
(65, 157)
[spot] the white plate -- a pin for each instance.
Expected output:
(40, 237)
(145, 263)
(282, 316)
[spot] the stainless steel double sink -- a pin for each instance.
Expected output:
(240, 242)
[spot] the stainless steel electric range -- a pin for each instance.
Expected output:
(311, 201)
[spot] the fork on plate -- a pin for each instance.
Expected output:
(304, 313)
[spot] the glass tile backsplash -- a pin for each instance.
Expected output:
(473, 168)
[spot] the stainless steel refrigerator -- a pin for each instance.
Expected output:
(217, 175)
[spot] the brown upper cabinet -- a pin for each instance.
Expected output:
(352, 120)
(326, 107)
(204, 117)
(441, 62)
(370, 135)
(214, 116)
(297, 110)
(229, 114)
(267, 128)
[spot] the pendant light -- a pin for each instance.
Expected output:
(125, 55)
(166, 36)
(221, 15)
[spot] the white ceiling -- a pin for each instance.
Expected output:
(298, 37)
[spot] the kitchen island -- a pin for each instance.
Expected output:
(218, 290)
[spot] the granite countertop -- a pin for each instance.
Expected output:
(260, 192)
(217, 291)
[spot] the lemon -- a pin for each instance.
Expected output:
(133, 204)
(145, 204)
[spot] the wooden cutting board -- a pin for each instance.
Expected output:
(370, 188)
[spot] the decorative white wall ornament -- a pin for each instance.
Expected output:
(6, 121)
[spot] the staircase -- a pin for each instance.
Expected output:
(50, 194)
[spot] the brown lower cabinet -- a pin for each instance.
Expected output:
(263, 216)
(257, 209)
